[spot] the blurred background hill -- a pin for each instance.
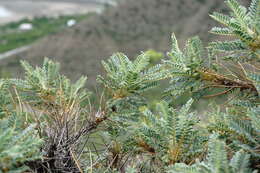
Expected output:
(131, 26)
(15, 10)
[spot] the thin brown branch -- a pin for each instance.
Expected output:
(76, 161)
(219, 94)
(218, 79)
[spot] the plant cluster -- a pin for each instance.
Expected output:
(49, 124)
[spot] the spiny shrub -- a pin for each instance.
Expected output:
(49, 124)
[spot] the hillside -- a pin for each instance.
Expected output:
(131, 27)
(16, 10)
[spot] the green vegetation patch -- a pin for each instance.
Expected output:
(12, 37)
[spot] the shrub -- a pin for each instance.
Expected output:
(124, 134)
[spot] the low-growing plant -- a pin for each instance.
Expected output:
(217, 161)
(126, 132)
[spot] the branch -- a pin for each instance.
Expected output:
(211, 76)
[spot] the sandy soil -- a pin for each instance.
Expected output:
(13, 10)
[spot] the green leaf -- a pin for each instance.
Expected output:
(254, 9)
(239, 10)
(222, 31)
(240, 162)
(236, 45)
